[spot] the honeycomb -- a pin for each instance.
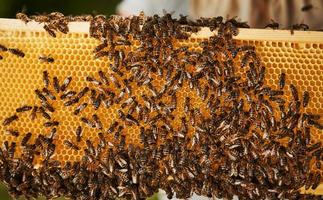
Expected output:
(301, 60)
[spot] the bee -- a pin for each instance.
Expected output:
(274, 25)
(40, 95)
(67, 94)
(131, 119)
(3, 48)
(23, 17)
(66, 83)
(82, 93)
(92, 80)
(300, 26)
(49, 30)
(71, 145)
(97, 121)
(9, 120)
(46, 59)
(12, 132)
(56, 84)
(101, 54)
(115, 81)
(78, 133)
(47, 106)
(282, 80)
(307, 7)
(88, 122)
(71, 102)
(306, 98)
(116, 70)
(112, 127)
(103, 78)
(316, 180)
(23, 109)
(25, 139)
(48, 94)
(44, 113)
(34, 112)
(12, 150)
(294, 92)
(80, 108)
(46, 79)
(51, 123)
(17, 52)
(101, 46)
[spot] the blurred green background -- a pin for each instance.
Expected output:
(9, 8)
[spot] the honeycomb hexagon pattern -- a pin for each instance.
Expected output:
(302, 61)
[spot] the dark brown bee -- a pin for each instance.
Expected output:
(46, 59)
(23, 108)
(44, 113)
(306, 98)
(12, 150)
(282, 80)
(40, 95)
(115, 81)
(316, 180)
(300, 26)
(103, 78)
(25, 139)
(34, 112)
(9, 120)
(88, 122)
(307, 7)
(46, 79)
(56, 84)
(3, 48)
(12, 132)
(78, 133)
(49, 30)
(48, 94)
(67, 94)
(274, 25)
(17, 52)
(47, 106)
(51, 123)
(97, 121)
(71, 102)
(112, 127)
(101, 54)
(71, 145)
(82, 92)
(100, 46)
(294, 92)
(80, 108)
(66, 83)
(92, 80)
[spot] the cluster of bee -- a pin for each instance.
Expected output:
(252, 142)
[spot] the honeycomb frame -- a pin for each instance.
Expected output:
(299, 55)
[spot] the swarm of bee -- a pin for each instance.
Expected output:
(249, 142)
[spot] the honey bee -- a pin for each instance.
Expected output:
(82, 93)
(12, 132)
(300, 26)
(17, 52)
(47, 106)
(101, 54)
(112, 127)
(103, 78)
(34, 112)
(306, 98)
(88, 122)
(25, 139)
(92, 80)
(316, 180)
(67, 94)
(71, 102)
(23, 109)
(97, 121)
(307, 7)
(23, 17)
(66, 83)
(9, 120)
(51, 123)
(3, 48)
(115, 81)
(274, 25)
(282, 80)
(49, 30)
(44, 113)
(46, 59)
(80, 108)
(56, 84)
(78, 133)
(71, 145)
(294, 92)
(100, 47)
